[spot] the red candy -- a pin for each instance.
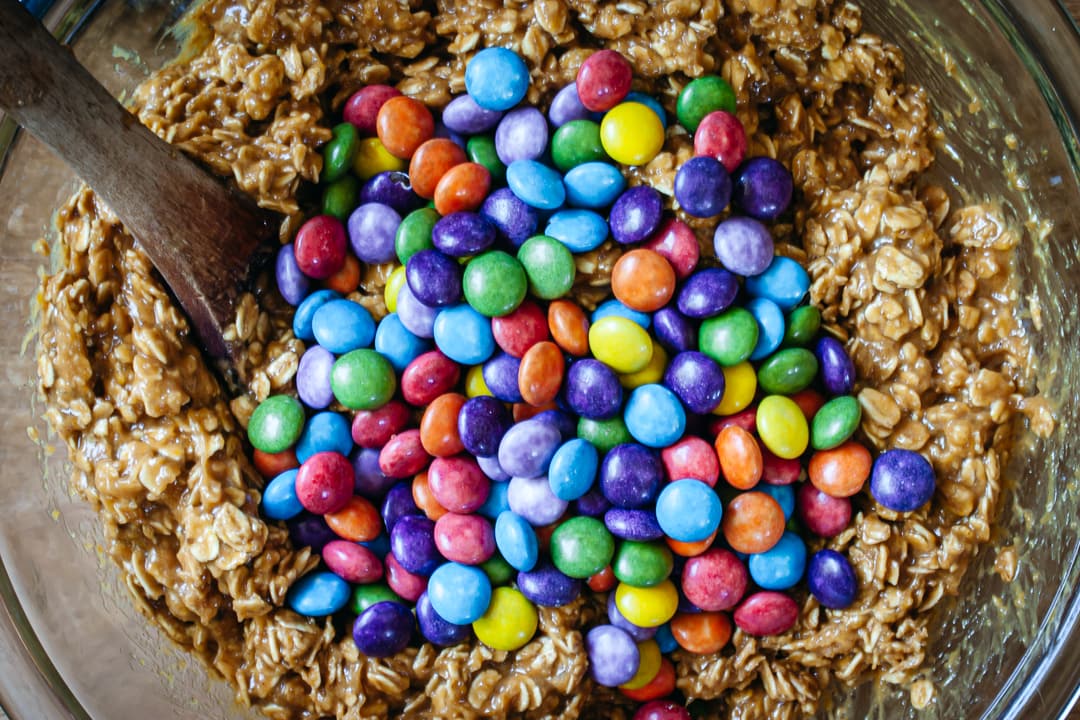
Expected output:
(777, 470)
(270, 465)
(678, 244)
(463, 187)
(520, 330)
(324, 482)
(740, 457)
(691, 457)
(822, 514)
(603, 581)
(753, 522)
(715, 580)
(374, 428)
(404, 583)
(358, 520)
(458, 483)
(662, 710)
(439, 426)
(569, 327)
(809, 401)
(403, 125)
(603, 80)
(540, 374)
(352, 562)
(720, 135)
(746, 419)
(363, 106)
(403, 455)
(660, 686)
(767, 613)
(320, 246)
(430, 162)
(427, 377)
(467, 539)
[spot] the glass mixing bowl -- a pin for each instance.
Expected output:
(72, 645)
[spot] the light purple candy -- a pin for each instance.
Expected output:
(292, 284)
(463, 115)
(418, 318)
(522, 135)
(372, 228)
(674, 330)
(527, 448)
(639, 634)
(370, 480)
(391, 188)
(707, 293)
(501, 376)
(743, 245)
(637, 525)
(613, 655)
(513, 218)
(532, 499)
(636, 214)
(566, 106)
(490, 466)
(313, 377)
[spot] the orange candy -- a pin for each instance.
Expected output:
(740, 457)
(439, 426)
(524, 411)
(643, 280)
(603, 581)
(347, 279)
(358, 521)
(753, 522)
(809, 401)
(691, 549)
(430, 162)
(403, 125)
(463, 187)
(701, 633)
(270, 465)
(425, 499)
(842, 471)
(540, 373)
(569, 326)
(660, 686)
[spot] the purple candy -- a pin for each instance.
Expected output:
(637, 525)
(630, 476)
(482, 422)
(463, 115)
(613, 655)
(372, 228)
(763, 188)
(697, 380)
(566, 106)
(384, 629)
(435, 629)
(532, 499)
(434, 278)
(370, 481)
(397, 504)
(592, 504)
(566, 424)
(514, 220)
(393, 189)
(616, 618)
(501, 376)
(675, 332)
(412, 540)
(418, 318)
(593, 390)
(441, 131)
(707, 293)
(831, 579)
(547, 586)
(527, 447)
(462, 234)
(685, 606)
(291, 282)
(702, 187)
(490, 466)
(307, 530)
(743, 245)
(902, 480)
(837, 370)
(313, 377)
(522, 135)
(636, 215)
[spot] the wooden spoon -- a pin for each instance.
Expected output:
(201, 235)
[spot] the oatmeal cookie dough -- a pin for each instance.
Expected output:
(920, 291)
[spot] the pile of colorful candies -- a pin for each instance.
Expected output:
(497, 448)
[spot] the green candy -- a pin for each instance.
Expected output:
(835, 422)
(364, 596)
(362, 380)
(481, 150)
(339, 197)
(494, 283)
(499, 571)
(339, 152)
(549, 265)
(575, 143)
(729, 337)
(276, 424)
(642, 564)
(604, 434)
(803, 324)
(414, 233)
(701, 97)
(787, 372)
(581, 547)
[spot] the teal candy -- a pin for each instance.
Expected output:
(276, 424)
(688, 510)
(459, 593)
(414, 233)
(593, 185)
(516, 541)
(654, 416)
(318, 594)
(573, 469)
(579, 230)
(576, 143)
(785, 282)
(642, 564)
(279, 501)
(549, 266)
(770, 320)
(536, 184)
(604, 434)
(363, 380)
(464, 335)
(581, 547)
(730, 337)
(782, 566)
(787, 372)
(835, 422)
(802, 326)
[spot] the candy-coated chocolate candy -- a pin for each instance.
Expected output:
(464, 115)
(576, 143)
(648, 666)
(753, 522)
(464, 335)
(397, 504)
(651, 103)
(394, 342)
(787, 371)
(715, 580)
(357, 520)
(636, 214)
(621, 344)
(702, 96)
(580, 231)
(434, 278)
(425, 499)
(902, 480)
(459, 593)
(324, 483)
(647, 607)
(702, 633)
(546, 586)
(743, 245)
(603, 581)
(536, 184)
(342, 325)
(276, 424)
(674, 331)
(497, 502)
(430, 162)
(767, 613)
(650, 374)
(782, 426)
(372, 231)
(676, 242)
(842, 471)
(763, 188)
(362, 107)
(403, 455)
(394, 283)
(370, 481)
(516, 541)
(831, 579)
(581, 547)
(630, 476)
(458, 483)
(510, 621)
(439, 426)
(319, 248)
(495, 284)
(802, 326)
(613, 307)
(691, 457)
(740, 457)
(593, 389)
(593, 184)
(514, 220)
(318, 594)
(784, 282)
(305, 313)
(412, 541)
(549, 266)
(270, 465)
(660, 686)
(352, 562)
(696, 380)
(517, 331)
(410, 586)
(720, 135)
(462, 187)
(782, 566)
(730, 337)
(496, 79)
(540, 373)
(501, 377)
(638, 634)
(642, 564)
(481, 150)
(347, 279)
(740, 384)
(638, 525)
(403, 125)
(837, 370)
(363, 380)
(393, 190)
(613, 655)
(703, 188)
(474, 382)
(654, 416)
(688, 510)
(462, 234)
(373, 158)
(279, 501)
(427, 377)
(533, 500)
(436, 629)
(522, 134)
(770, 321)
(603, 80)
(292, 283)
(526, 448)
(481, 423)
(632, 133)
(364, 596)
(643, 280)
(310, 530)
(835, 422)
(604, 434)
(569, 327)
(566, 106)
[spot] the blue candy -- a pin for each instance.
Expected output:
(516, 539)
(496, 78)
(665, 640)
(654, 416)
(784, 495)
(650, 102)
(341, 326)
(459, 593)
(593, 185)
(464, 335)
(318, 594)
(688, 510)
(306, 312)
(573, 469)
(612, 307)
(279, 501)
(394, 342)
(324, 432)
(536, 184)
(496, 503)
(770, 320)
(579, 230)
(782, 566)
(785, 282)
(380, 545)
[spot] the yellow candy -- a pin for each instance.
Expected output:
(782, 426)
(510, 620)
(740, 384)
(647, 606)
(372, 158)
(622, 344)
(631, 133)
(393, 287)
(651, 373)
(474, 382)
(648, 667)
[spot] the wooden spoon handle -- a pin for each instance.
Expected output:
(199, 234)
